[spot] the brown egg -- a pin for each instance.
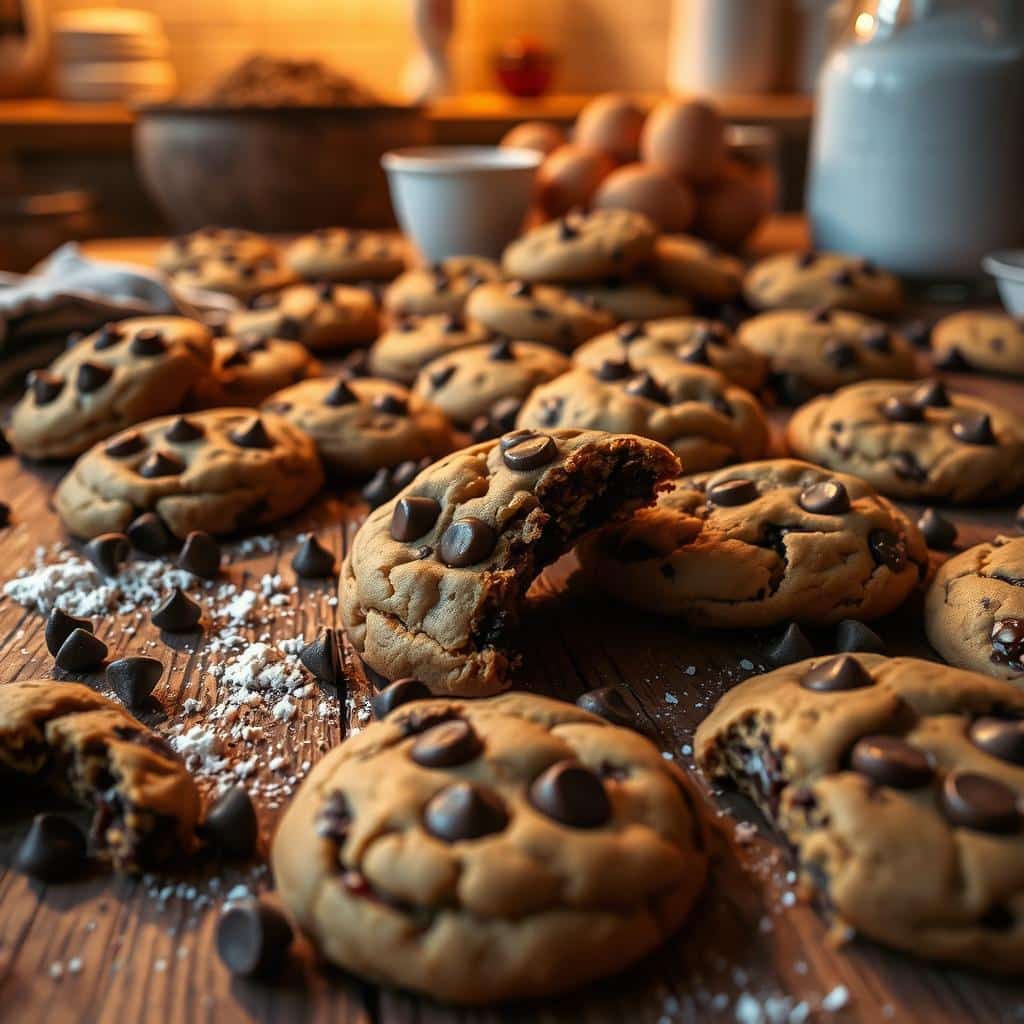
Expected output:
(611, 124)
(686, 138)
(569, 177)
(538, 135)
(651, 190)
(728, 210)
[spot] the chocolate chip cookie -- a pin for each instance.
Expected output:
(696, 268)
(123, 373)
(238, 274)
(88, 747)
(536, 312)
(689, 339)
(218, 471)
(978, 340)
(898, 783)
(821, 350)
(418, 882)
(320, 316)
(246, 370)
(914, 441)
(438, 288)
(760, 544)
(633, 300)
(974, 609)
(581, 247)
(809, 280)
(705, 420)
(412, 342)
(346, 254)
(233, 243)
(469, 383)
(361, 425)
(435, 578)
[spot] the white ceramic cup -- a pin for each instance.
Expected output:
(461, 200)
(1007, 267)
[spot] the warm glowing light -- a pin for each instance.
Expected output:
(864, 24)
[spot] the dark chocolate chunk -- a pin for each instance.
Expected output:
(975, 801)
(109, 336)
(842, 277)
(45, 386)
(974, 429)
(108, 552)
(177, 613)
(500, 420)
(200, 555)
(465, 811)
(730, 493)
(134, 678)
(1008, 641)
(161, 463)
(843, 672)
(791, 647)
(322, 657)
(81, 652)
(853, 636)
(439, 377)
(446, 745)
(183, 430)
(379, 489)
(840, 354)
(887, 549)
(645, 386)
(53, 851)
(608, 703)
(932, 394)
(902, 410)
(1001, 737)
(697, 352)
(253, 940)
(939, 533)
(149, 534)
(252, 435)
(520, 289)
(405, 472)
(566, 230)
(451, 324)
(341, 394)
(401, 691)
(413, 517)
(891, 761)
(466, 542)
(514, 437)
(231, 824)
(906, 466)
(125, 445)
(531, 453)
(312, 561)
(148, 342)
(571, 793)
(551, 411)
(289, 328)
(614, 369)
(952, 359)
(92, 376)
(59, 626)
(828, 498)
(238, 357)
(501, 351)
(390, 405)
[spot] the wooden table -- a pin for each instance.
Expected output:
(747, 948)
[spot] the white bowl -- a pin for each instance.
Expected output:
(461, 200)
(1007, 267)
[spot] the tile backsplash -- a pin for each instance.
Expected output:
(601, 44)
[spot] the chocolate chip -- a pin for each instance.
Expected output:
(465, 811)
(289, 328)
(902, 410)
(1008, 641)
(551, 411)
(645, 386)
(401, 691)
(322, 657)
(840, 673)
(501, 351)
(451, 325)
(608, 703)
(828, 498)
(148, 342)
(975, 801)
(932, 394)
(439, 377)
(253, 940)
(730, 493)
(791, 647)
(1003, 738)
(806, 259)
(566, 231)
(108, 552)
(53, 851)
(571, 793)
(340, 394)
(237, 358)
(853, 636)
(45, 386)
(405, 472)
(842, 277)
(466, 542)
(231, 824)
(906, 466)
(520, 289)
(161, 463)
(614, 369)
(877, 338)
(92, 376)
(379, 489)
(149, 534)
(59, 626)
(134, 678)
(125, 445)
(697, 352)
(974, 429)
(918, 333)
(840, 354)
(953, 359)
(356, 364)
(887, 549)
(252, 435)
(200, 555)
(890, 761)
(109, 336)
(183, 430)
(938, 532)
(514, 437)
(631, 331)
(177, 613)
(530, 453)
(390, 405)
(413, 517)
(446, 745)
(81, 652)
(820, 315)
(312, 561)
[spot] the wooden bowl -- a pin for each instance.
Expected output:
(273, 169)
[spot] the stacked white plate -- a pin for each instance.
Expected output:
(112, 55)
